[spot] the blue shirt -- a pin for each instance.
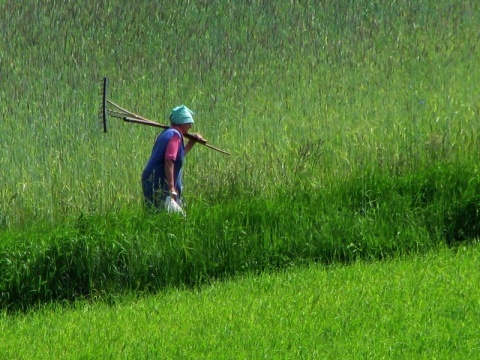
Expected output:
(154, 179)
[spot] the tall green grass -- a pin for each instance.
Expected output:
(91, 255)
(352, 127)
(377, 85)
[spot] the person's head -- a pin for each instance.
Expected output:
(182, 118)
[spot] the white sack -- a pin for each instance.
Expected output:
(172, 206)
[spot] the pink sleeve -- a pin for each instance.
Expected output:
(172, 148)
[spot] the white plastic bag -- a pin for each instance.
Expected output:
(172, 206)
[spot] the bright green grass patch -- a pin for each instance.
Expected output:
(421, 307)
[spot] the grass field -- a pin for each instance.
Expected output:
(353, 128)
(420, 307)
(301, 94)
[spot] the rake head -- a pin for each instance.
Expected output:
(103, 112)
(117, 111)
(109, 108)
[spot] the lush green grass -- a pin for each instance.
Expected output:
(297, 91)
(421, 307)
(352, 127)
(92, 255)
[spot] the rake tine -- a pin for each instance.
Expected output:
(124, 110)
(117, 114)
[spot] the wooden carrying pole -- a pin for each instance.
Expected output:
(130, 117)
(188, 136)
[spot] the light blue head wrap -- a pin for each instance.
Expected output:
(181, 115)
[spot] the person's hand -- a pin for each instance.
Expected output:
(173, 194)
(193, 139)
(197, 137)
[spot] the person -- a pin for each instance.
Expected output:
(162, 175)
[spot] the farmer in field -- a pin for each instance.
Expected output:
(162, 176)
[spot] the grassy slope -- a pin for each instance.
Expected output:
(380, 91)
(364, 113)
(420, 307)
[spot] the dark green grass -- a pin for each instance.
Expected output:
(377, 217)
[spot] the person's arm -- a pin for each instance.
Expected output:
(170, 178)
(170, 157)
(192, 142)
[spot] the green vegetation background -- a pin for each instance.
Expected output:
(352, 127)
